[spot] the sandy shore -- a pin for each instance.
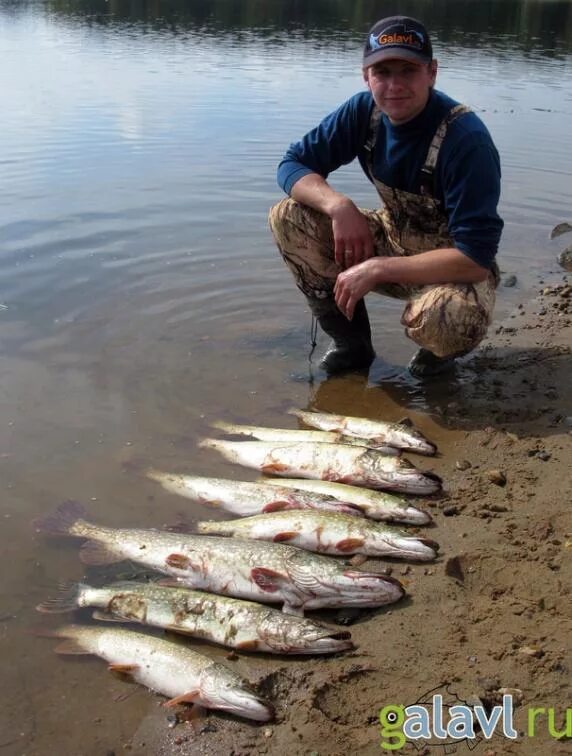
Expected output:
(493, 613)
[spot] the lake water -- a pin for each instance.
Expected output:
(141, 294)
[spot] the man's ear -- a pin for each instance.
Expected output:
(365, 78)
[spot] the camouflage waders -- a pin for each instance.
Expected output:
(446, 319)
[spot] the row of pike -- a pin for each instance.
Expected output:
(331, 510)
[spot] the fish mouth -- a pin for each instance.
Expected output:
(369, 588)
(241, 702)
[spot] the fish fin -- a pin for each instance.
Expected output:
(187, 697)
(62, 520)
(277, 506)
(358, 560)
(274, 467)
(349, 544)
(179, 561)
(71, 647)
(407, 422)
(266, 579)
(98, 554)
(123, 669)
(106, 616)
(65, 601)
(250, 645)
(285, 536)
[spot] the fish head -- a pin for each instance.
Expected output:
(287, 635)
(329, 584)
(406, 437)
(360, 588)
(223, 689)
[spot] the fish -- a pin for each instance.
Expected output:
(243, 498)
(242, 625)
(376, 505)
(255, 570)
(175, 671)
(400, 435)
(287, 435)
(327, 533)
(355, 465)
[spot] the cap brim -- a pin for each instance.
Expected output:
(395, 54)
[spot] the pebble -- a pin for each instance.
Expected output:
(543, 455)
(451, 510)
(509, 281)
(498, 477)
(463, 464)
(534, 651)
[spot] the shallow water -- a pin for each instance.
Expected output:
(141, 293)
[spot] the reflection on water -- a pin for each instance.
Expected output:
(141, 294)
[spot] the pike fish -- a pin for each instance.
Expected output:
(287, 435)
(266, 572)
(244, 625)
(377, 505)
(327, 533)
(179, 673)
(341, 463)
(243, 498)
(400, 435)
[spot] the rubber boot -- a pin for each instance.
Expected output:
(351, 347)
(425, 364)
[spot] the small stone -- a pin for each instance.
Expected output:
(534, 651)
(498, 508)
(543, 455)
(463, 464)
(406, 570)
(451, 510)
(516, 693)
(509, 281)
(268, 732)
(498, 477)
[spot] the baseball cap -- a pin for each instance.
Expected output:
(397, 37)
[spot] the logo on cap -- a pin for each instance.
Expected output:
(406, 39)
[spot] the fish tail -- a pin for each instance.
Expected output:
(66, 601)
(62, 521)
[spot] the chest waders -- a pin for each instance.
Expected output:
(446, 320)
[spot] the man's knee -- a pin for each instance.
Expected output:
(279, 215)
(449, 320)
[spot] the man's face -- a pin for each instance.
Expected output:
(400, 88)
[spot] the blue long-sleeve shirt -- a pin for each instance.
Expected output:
(467, 174)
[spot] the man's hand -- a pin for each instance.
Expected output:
(353, 242)
(352, 285)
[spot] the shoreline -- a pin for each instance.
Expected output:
(491, 614)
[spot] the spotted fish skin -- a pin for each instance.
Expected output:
(399, 435)
(376, 505)
(176, 671)
(243, 625)
(355, 465)
(327, 533)
(251, 570)
(244, 498)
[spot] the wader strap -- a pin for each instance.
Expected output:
(428, 170)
